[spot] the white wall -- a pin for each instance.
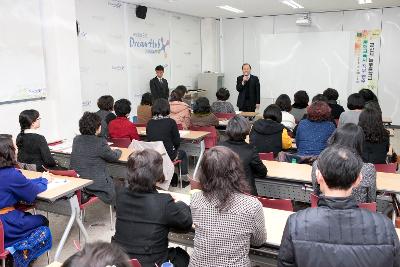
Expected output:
(240, 44)
(62, 108)
(110, 65)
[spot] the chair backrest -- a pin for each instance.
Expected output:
(180, 126)
(266, 156)
(135, 263)
(226, 116)
(314, 200)
(194, 184)
(369, 206)
(140, 124)
(337, 122)
(390, 168)
(120, 142)
(211, 139)
(279, 204)
(1, 238)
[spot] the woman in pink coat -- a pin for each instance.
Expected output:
(180, 111)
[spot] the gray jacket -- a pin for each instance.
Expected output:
(89, 158)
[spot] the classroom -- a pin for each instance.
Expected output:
(199, 133)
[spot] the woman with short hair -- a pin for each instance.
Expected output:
(221, 105)
(285, 104)
(122, 127)
(144, 216)
(106, 106)
(355, 104)
(313, 132)
(299, 107)
(202, 115)
(352, 136)
(144, 109)
(180, 111)
(237, 130)
(89, 157)
(227, 220)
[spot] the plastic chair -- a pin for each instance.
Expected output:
(266, 156)
(390, 168)
(135, 263)
(314, 200)
(120, 142)
(211, 139)
(226, 116)
(92, 200)
(3, 253)
(369, 206)
(279, 204)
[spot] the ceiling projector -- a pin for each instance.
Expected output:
(304, 20)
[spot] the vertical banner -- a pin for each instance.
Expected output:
(366, 60)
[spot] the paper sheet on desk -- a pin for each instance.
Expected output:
(183, 133)
(61, 147)
(56, 183)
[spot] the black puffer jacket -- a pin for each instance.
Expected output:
(266, 136)
(338, 233)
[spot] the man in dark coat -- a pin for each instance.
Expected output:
(248, 87)
(338, 232)
(159, 85)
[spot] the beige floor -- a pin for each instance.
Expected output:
(98, 223)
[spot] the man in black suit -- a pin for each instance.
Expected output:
(248, 87)
(159, 85)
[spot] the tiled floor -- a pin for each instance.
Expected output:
(98, 222)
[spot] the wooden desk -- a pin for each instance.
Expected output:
(186, 135)
(386, 120)
(55, 264)
(56, 194)
(126, 152)
(248, 114)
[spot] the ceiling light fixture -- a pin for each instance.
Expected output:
(363, 2)
(231, 9)
(294, 4)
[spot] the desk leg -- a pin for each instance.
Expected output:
(202, 149)
(73, 201)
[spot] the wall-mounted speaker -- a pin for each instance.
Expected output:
(141, 12)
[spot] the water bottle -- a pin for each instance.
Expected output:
(294, 160)
(167, 264)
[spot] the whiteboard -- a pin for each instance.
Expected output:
(310, 61)
(22, 69)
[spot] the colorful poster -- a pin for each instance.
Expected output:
(366, 60)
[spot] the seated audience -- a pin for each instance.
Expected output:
(98, 254)
(377, 140)
(32, 146)
(299, 107)
(338, 232)
(237, 129)
(162, 128)
(121, 127)
(144, 216)
(332, 95)
(355, 104)
(368, 95)
(226, 219)
(106, 107)
(221, 105)
(180, 111)
(182, 90)
(15, 187)
(202, 115)
(352, 136)
(313, 133)
(268, 134)
(89, 157)
(144, 109)
(284, 103)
